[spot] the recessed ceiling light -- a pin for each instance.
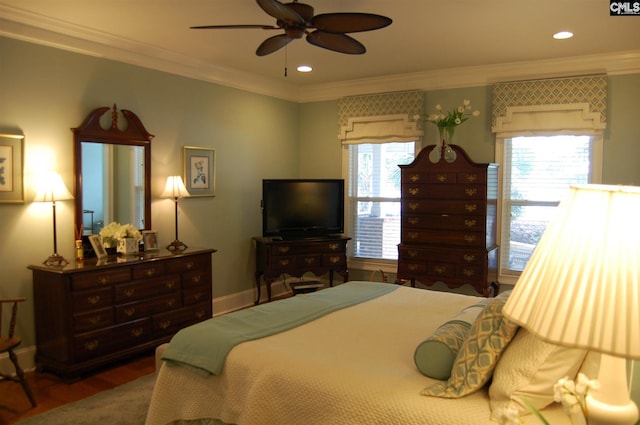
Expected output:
(562, 35)
(304, 68)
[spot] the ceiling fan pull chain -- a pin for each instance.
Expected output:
(285, 60)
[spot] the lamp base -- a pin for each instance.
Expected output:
(55, 260)
(610, 404)
(176, 245)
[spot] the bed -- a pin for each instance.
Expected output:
(350, 365)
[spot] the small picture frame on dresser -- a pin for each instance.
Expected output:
(150, 240)
(98, 248)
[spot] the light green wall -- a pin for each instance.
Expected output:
(46, 92)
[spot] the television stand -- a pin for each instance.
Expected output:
(295, 257)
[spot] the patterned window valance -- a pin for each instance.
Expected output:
(590, 92)
(384, 116)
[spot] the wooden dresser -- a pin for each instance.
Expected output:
(449, 213)
(95, 312)
(296, 257)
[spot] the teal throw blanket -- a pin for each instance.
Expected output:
(204, 346)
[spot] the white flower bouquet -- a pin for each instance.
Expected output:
(112, 232)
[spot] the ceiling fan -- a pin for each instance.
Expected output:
(326, 30)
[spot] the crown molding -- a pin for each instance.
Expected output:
(19, 24)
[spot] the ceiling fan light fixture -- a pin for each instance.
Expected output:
(563, 35)
(304, 68)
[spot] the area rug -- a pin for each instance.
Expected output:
(123, 405)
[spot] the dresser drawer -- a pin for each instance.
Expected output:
(91, 300)
(195, 262)
(449, 255)
(425, 191)
(94, 319)
(100, 278)
(128, 292)
(445, 237)
(136, 310)
(170, 322)
(196, 295)
(444, 221)
(429, 206)
(93, 344)
(148, 270)
(196, 278)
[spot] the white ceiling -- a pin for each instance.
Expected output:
(430, 43)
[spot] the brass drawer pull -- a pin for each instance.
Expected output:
(283, 249)
(470, 223)
(413, 267)
(440, 269)
(129, 292)
(200, 314)
(284, 262)
(150, 272)
(171, 303)
(334, 260)
(130, 311)
(472, 178)
(442, 178)
(91, 345)
(309, 260)
(165, 324)
(137, 332)
(469, 258)
(95, 299)
(413, 206)
(414, 220)
(334, 246)
(170, 284)
(470, 207)
(471, 192)
(94, 320)
(413, 235)
(469, 272)
(412, 253)
(103, 280)
(470, 238)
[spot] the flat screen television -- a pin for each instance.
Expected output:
(302, 208)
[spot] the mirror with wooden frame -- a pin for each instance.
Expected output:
(112, 171)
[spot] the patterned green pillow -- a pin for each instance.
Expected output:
(474, 364)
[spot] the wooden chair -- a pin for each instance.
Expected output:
(8, 342)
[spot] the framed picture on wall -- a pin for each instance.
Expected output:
(199, 170)
(11, 168)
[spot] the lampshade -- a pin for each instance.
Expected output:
(174, 188)
(581, 287)
(51, 188)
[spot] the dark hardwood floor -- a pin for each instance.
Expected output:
(51, 391)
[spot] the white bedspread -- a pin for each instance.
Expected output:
(353, 366)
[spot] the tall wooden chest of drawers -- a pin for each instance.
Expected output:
(448, 226)
(90, 314)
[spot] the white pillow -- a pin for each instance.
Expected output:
(530, 368)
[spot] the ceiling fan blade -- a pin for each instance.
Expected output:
(281, 12)
(207, 27)
(349, 22)
(337, 42)
(272, 44)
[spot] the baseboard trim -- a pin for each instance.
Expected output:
(26, 358)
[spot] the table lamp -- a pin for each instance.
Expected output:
(52, 189)
(175, 189)
(581, 288)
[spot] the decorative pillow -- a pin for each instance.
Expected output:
(529, 368)
(473, 366)
(434, 356)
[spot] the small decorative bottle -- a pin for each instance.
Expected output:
(79, 251)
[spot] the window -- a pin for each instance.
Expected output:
(373, 192)
(537, 172)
